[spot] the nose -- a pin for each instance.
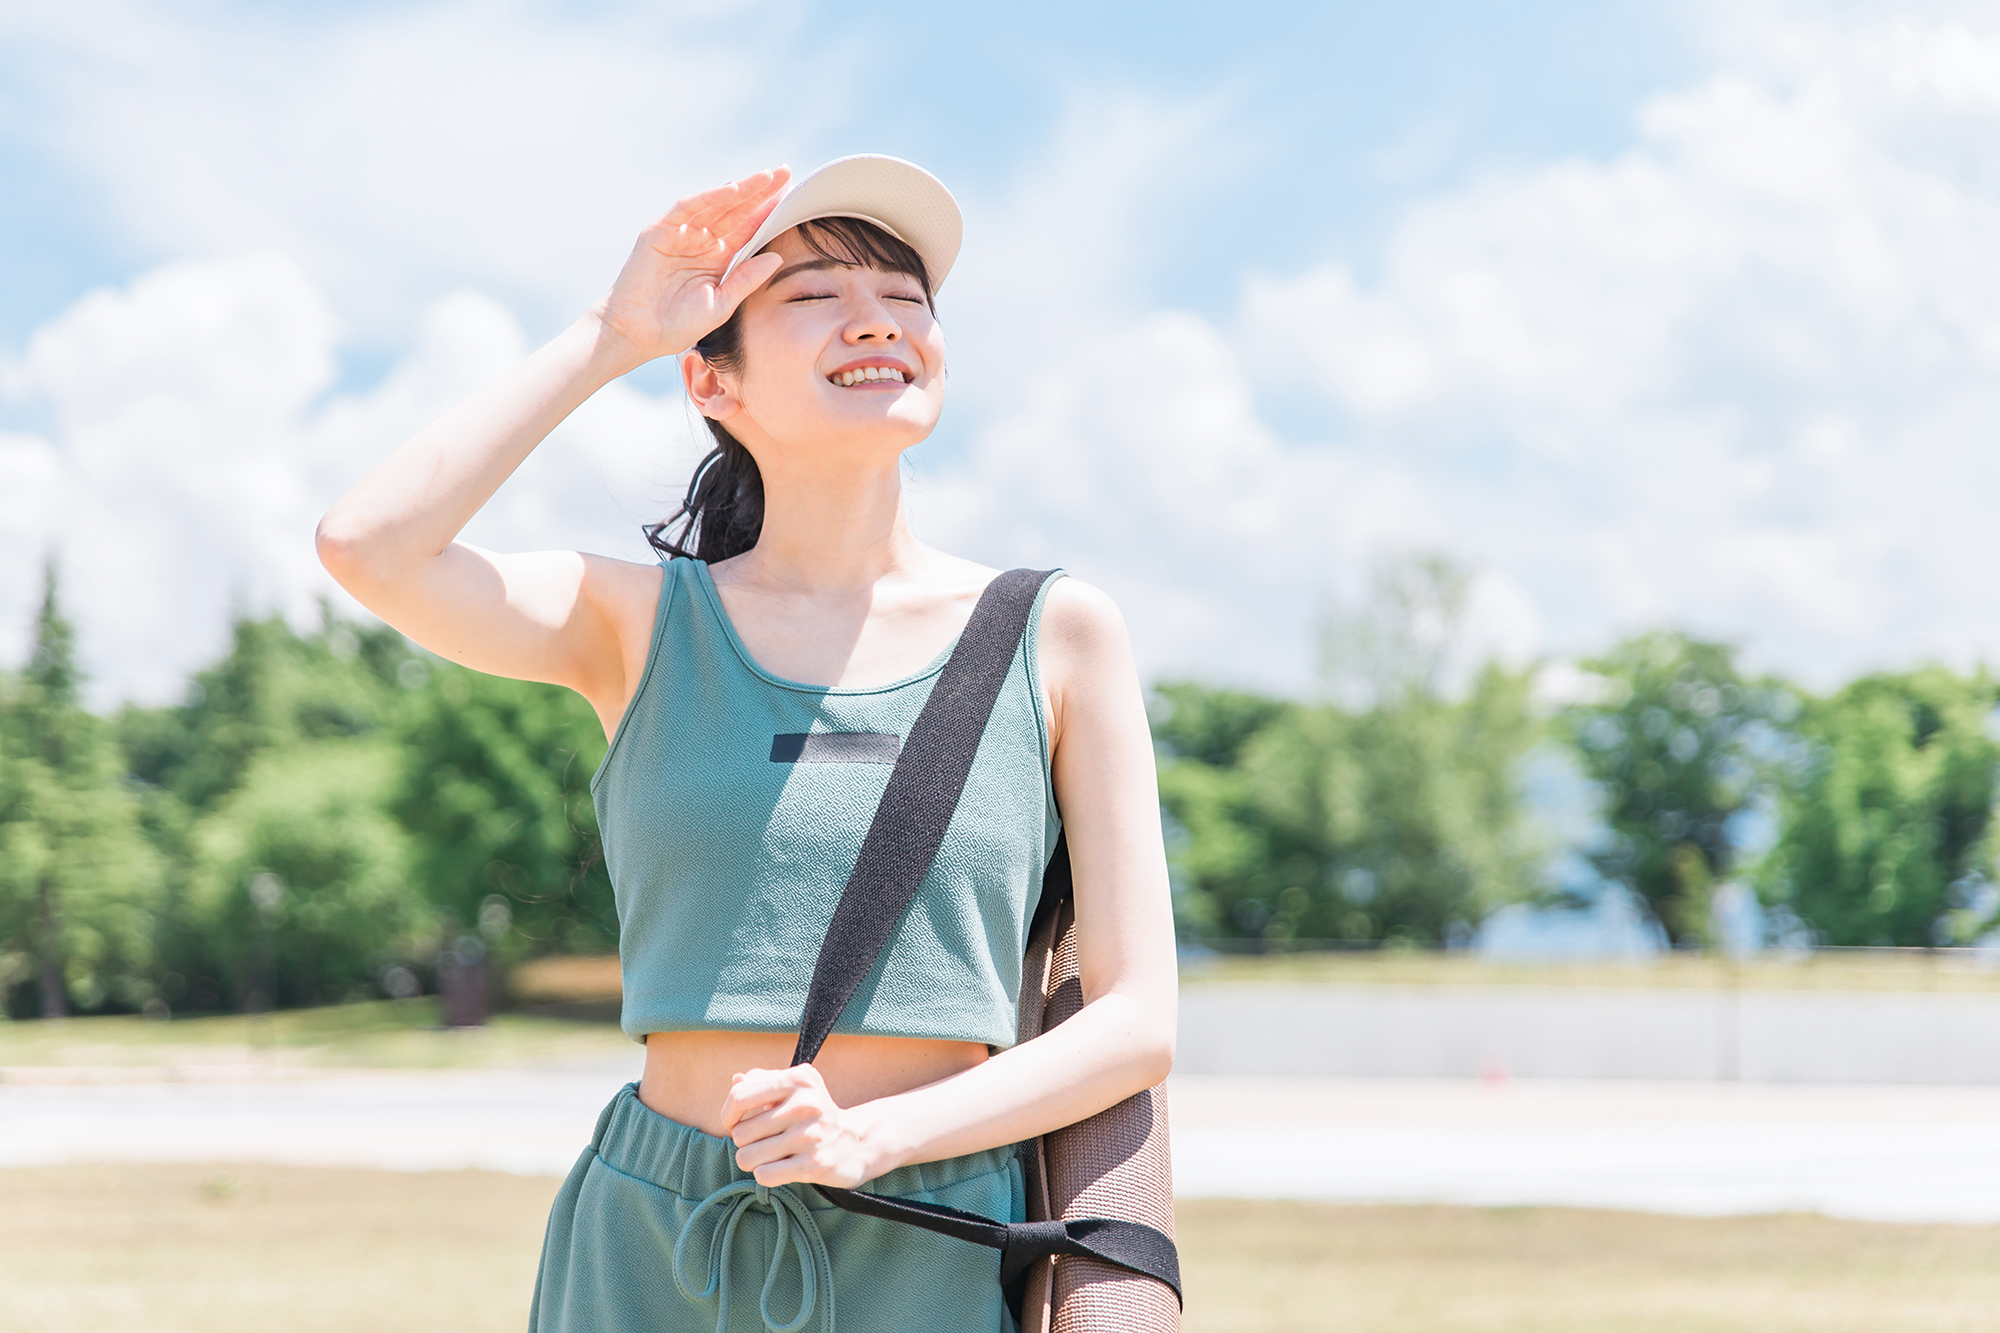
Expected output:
(873, 322)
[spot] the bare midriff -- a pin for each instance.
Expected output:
(687, 1073)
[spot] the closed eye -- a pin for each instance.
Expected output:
(913, 298)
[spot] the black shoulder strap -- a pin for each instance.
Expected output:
(903, 840)
(917, 805)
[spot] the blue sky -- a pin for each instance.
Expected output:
(1650, 314)
(1338, 114)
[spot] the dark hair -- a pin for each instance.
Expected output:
(723, 512)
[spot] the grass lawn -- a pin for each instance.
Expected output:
(159, 1248)
(382, 1034)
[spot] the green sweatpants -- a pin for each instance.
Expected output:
(657, 1230)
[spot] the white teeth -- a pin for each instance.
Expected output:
(847, 378)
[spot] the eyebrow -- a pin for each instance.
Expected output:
(808, 266)
(814, 265)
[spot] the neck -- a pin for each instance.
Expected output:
(831, 526)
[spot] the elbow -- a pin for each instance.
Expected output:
(342, 550)
(333, 546)
(1156, 1051)
(1160, 1060)
(1142, 1036)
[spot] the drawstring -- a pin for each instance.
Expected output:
(795, 1224)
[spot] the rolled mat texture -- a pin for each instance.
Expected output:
(1115, 1164)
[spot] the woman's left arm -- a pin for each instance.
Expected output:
(1122, 1042)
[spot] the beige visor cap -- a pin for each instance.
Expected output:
(900, 197)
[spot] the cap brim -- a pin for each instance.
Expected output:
(900, 197)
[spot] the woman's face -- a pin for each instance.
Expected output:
(837, 359)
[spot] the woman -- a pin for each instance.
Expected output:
(803, 606)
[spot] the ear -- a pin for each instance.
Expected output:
(706, 389)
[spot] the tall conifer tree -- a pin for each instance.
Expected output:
(48, 706)
(76, 875)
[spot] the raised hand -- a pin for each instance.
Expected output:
(671, 292)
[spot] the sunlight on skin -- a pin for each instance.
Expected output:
(836, 588)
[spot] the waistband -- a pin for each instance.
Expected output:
(638, 1141)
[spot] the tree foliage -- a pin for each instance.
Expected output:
(1393, 814)
(275, 688)
(1886, 812)
(79, 882)
(325, 810)
(1675, 743)
(496, 792)
(1315, 821)
(321, 808)
(301, 879)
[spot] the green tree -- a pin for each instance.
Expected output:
(1393, 814)
(1674, 745)
(1886, 812)
(279, 763)
(496, 792)
(79, 884)
(302, 884)
(1400, 822)
(1235, 850)
(273, 688)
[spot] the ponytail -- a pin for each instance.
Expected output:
(723, 512)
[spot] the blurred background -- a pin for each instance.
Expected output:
(1543, 454)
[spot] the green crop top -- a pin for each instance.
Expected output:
(732, 805)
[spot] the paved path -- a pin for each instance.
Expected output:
(1703, 1036)
(1888, 1154)
(1910, 1154)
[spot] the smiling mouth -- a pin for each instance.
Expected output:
(847, 379)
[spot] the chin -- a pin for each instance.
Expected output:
(864, 442)
(902, 423)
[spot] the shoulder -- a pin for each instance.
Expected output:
(621, 587)
(1085, 652)
(1079, 619)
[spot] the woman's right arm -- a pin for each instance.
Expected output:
(552, 615)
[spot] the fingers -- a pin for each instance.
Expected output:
(754, 272)
(742, 1101)
(752, 206)
(721, 209)
(751, 274)
(787, 1129)
(754, 1090)
(768, 1148)
(711, 207)
(776, 1118)
(804, 1156)
(737, 230)
(779, 1130)
(782, 1167)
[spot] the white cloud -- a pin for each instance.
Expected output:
(1125, 442)
(1738, 376)
(420, 178)
(401, 151)
(1741, 376)
(195, 451)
